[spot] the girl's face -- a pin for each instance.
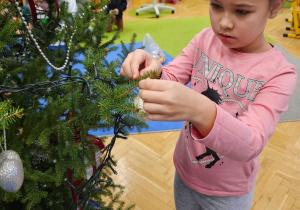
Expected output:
(240, 24)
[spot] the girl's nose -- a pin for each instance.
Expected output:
(226, 22)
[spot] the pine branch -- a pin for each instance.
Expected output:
(8, 113)
(151, 75)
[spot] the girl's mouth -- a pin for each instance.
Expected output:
(225, 38)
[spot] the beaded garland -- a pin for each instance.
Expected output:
(39, 48)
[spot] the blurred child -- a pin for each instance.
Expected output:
(117, 7)
(42, 4)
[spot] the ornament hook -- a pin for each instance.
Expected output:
(4, 134)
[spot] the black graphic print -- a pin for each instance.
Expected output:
(207, 153)
(212, 94)
(215, 97)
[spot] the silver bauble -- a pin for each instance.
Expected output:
(140, 114)
(11, 171)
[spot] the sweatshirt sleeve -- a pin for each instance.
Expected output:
(244, 138)
(180, 69)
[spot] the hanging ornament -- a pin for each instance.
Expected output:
(11, 168)
(11, 171)
(140, 113)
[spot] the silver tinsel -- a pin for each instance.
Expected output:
(11, 171)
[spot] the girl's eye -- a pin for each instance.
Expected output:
(215, 6)
(242, 12)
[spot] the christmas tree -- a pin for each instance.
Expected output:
(63, 97)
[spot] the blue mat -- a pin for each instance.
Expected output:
(154, 126)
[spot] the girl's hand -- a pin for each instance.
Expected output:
(139, 63)
(166, 100)
(115, 11)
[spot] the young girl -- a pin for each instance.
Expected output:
(240, 85)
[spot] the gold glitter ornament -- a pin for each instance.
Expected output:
(11, 171)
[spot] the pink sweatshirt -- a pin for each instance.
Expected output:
(251, 91)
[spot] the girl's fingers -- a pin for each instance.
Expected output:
(150, 96)
(133, 64)
(155, 84)
(126, 67)
(139, 63)
(153, 108)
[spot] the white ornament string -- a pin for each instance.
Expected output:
(39, 48)
(4, 134)
(4, 137)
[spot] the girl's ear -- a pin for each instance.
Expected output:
(275, 8)
(272, 15)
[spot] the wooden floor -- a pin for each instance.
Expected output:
(145, 165)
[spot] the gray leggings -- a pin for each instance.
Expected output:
(189, 199)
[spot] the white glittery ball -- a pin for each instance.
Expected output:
(140, 114)
(11, 171)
